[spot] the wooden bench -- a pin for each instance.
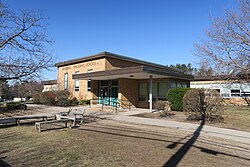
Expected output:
(7, 120)
(18, 119)
(66, 121)
(71, 116)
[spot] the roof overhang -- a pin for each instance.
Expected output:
(137, 72)
(49, 82)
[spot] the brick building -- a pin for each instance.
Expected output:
(116, 79)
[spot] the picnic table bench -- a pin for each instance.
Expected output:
(18, 119)
(72, 116)
(63, 117)
(66, 121)
(7, 120)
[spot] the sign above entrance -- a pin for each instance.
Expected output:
(87, 64)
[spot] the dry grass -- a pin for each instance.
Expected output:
(109, 143)
(10, 113)
(235, 117)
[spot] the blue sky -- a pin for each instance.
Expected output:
(161, 31)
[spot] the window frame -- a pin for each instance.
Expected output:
(66, 81)
(89, 81)
(77, 88)
(234, 94)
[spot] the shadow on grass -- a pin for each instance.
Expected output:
(3, 163)
(177, 157)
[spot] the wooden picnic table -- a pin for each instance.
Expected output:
(39, 124)
(19, 118)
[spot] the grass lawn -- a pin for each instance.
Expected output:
(109, 143)
(4, 112)
(235, 117)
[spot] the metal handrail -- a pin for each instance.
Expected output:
(118, 102)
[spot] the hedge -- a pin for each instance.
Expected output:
(175, 96)
(84, 102)
(15, 106)
(55, 98)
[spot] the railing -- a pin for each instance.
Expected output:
(116, 103)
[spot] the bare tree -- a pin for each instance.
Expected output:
(227, 46)
(25, 89)
(23, 44)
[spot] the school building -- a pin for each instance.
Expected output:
(115, 79)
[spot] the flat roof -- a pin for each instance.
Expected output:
(221, 78)
(115, 56)
(136, 72)
(49, 82)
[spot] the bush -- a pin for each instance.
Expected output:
(62, 94)
(51, 97)
(74, 102)
(64, 102)
(84, 102)
(163, 107)
(60, 98)
(67, 102)
(201, 104)
(48, 98)
(37, 98)
(15, 106)
(175, 96)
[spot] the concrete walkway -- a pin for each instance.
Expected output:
(230, 134)
(236, 135)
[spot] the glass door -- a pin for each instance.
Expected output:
(108, 92)
(104, 95)
(113, 96)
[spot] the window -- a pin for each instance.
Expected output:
(245, 94)
(104, 83)
(154, 90)
(173, 85)
(163, 88)
(143, 91)
(235, 93)
(159, 91)
(218, 90)
(184, 85)
(77, 83)
(225, 95)
(114, 82)
(89, 81)
(179, 85)
(65, 81)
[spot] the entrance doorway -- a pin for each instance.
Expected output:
(108, 92)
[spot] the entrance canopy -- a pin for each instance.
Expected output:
(136, 72)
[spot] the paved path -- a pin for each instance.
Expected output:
(236, 135)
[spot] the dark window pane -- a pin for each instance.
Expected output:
(104, 83)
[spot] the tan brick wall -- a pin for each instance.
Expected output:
(96, 65)
(94, 89)
(112, 63)
(128, 92)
